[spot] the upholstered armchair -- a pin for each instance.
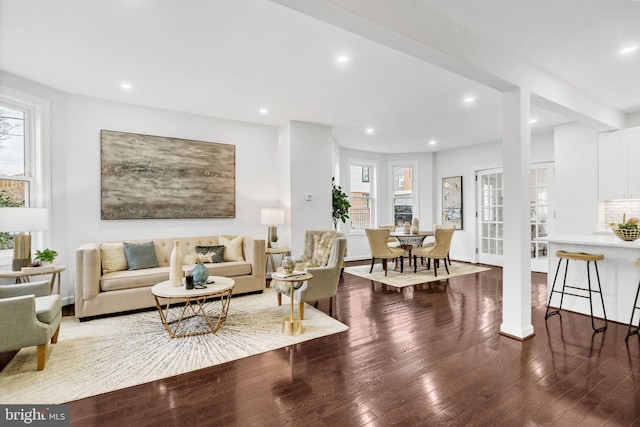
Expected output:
(323, 257)
(29, 316)
(378, 244)
(439, 250)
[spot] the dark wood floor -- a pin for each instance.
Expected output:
(425, 355)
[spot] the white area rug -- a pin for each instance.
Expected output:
(408, 278)
(107, 354)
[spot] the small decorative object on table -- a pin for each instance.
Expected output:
(200, 272)
(626, 230)
(45, 255)
(288, 264)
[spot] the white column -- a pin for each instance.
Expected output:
(516, 275)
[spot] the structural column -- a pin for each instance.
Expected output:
(516, 149)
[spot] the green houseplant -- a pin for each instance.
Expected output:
(341, 204)
(45, 255)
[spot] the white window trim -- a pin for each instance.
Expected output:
(37, 147)
(373, 181)
(416, 183)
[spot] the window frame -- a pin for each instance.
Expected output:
(36, 111)
(371, 199)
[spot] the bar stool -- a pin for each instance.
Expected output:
(635, 307)
(578, 256)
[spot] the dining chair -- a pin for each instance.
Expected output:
(446, 226)
(378, 244)
(438, 251)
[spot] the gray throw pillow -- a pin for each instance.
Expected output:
(217, 252)
(140, 255)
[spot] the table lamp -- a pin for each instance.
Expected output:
(272, 217)
(22, 220)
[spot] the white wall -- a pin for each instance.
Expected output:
(465, 162)
(576, 179)
(311, 171)
(76, 122)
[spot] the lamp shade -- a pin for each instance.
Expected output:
(272, 216)
(23, 219)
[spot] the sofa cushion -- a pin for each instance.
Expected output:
(217, 251)
(113, 258)
(232, 248)
(229, 269)
(133, 279)
(140, 255)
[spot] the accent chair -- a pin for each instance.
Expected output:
(324, 256)
(29, 316)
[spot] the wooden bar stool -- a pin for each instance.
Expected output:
(578, 256)
(635, 330)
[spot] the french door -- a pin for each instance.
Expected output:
(490, 225)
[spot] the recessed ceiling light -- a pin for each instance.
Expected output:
(263, 111)
(369, 131)
(126, 86)
(629, 49)
(533, 120)
(469, 100)
(432, 142)
(342, 59)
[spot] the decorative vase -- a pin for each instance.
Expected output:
(415, 226)
(200, 273)
(406, 228)
(175, 266)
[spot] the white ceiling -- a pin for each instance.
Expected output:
(229, 58)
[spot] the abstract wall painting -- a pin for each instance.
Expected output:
(452, 201)
(145, 177)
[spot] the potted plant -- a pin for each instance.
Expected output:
(274, 241)
(341, 204)
(45, 255)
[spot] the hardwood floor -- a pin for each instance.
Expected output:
(426, 355)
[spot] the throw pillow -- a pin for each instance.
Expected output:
(140, 255)
(232, 248)
(217, 251)
(113, 259)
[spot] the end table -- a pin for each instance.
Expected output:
(275, 251)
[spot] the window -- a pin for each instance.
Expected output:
(360, 196)
(16, 163)
(403, 194)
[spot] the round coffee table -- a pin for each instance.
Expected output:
(211, 304)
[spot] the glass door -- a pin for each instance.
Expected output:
(490, 218)
(490, 225)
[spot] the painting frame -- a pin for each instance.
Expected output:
(156, 177)
(452, 208)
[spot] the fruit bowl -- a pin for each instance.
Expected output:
(628, 235)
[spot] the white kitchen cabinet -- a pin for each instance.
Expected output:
(618, 167)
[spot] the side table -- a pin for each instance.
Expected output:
(275, 251)
(23, 276)
(292, 325)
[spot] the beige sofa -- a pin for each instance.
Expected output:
(98, 292)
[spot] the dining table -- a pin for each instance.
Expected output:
(408, 241)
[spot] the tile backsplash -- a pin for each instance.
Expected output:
(613, 210)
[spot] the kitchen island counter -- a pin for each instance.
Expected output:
(618, 273)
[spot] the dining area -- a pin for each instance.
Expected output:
(422, 248)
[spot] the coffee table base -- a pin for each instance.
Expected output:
(193, 307)
(292, 326)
